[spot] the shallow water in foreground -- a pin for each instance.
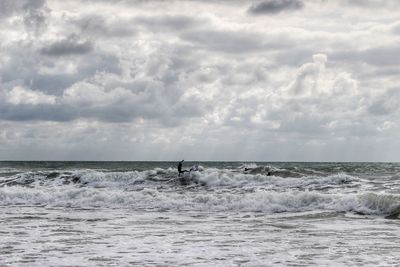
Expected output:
(72, 237)
(227, 214)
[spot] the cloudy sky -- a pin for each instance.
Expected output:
(272, 80)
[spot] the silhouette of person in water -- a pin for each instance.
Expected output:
(180, 168)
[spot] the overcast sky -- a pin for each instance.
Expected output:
(272, 80)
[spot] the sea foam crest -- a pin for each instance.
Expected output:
(217, 177)
(258, 201)
(210, 177)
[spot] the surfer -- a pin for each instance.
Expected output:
(180, 168)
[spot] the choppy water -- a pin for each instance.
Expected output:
(225, 214)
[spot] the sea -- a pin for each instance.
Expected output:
(224, 214)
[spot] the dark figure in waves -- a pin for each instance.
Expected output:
(251, 169)
(180, 168)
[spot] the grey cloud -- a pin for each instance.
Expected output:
(380, 56)
(396, 28)
(153, 95)
(125, 27)
(372, 3)
(62, 112)
(310, 124)
(16, 7)
(108, 98)
(275, 6)
(328, 102)
(37, 113)
(105, 26)
(295, 57)
(235, 42)
(30, 62)
(123, 111)
(88, 65)
(68, 46)
(381, 72)
(365, 3)
(35, 21)
(169, 22)
(385, 104)
(33, 13)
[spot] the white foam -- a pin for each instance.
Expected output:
(260, 201)
(224, 189)
(248, 165)
(209, 176)
(217, 177)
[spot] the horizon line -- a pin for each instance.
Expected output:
(263, 161)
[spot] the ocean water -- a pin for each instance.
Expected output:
(225, 214)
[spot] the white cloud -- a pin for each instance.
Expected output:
(87, 95)
(22, 96)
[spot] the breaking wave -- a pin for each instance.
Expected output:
(260, 201)
(211, 177)
(210, 189)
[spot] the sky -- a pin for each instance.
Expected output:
(268, 80)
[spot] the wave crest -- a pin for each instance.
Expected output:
(258, 201)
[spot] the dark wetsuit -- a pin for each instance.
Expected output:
(180, 168)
